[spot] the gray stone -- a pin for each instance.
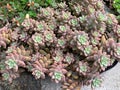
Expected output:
(47, 84)
(111, 80)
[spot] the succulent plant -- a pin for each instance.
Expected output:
(63, 16)
(6, 76)
(16, 58)
(61, 42)
(9, 75)
(5, 36)
(117, 50)
(82, 19)
(63, 29)
(37, 40)
(24, 36)
(38, 70)
(82, 38)
(69, 58)
(91, 9)
(96, 82)
(82, 68)
(2, 66)
(28, 23)
(73, 22)
(57, 75)
(71, 84)
(62, 5)
(57, 55)
(46, 12)
(102, 28)
(41, 26)
(11, 63)
(87, 50)
(117, 30)
(38, 74)
(100, 5)
(72, 42)
(57, 72)
(94, 41)
(49, 36)
(104, 61)
(101, 16)
(52, 25)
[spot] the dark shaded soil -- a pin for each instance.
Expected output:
(27, 82)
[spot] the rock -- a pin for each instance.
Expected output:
(111, 80)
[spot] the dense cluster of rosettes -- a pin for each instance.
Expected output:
(72, 43)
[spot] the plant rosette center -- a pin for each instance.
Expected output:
(61, 42)
(46, 12)
(62, 28)
(5, 76)
(69, 58)
(57, 58)
(82, 39)
(88, 50)
(57, 75)
(49, 36)
(11, 63)
(66, 15)
(40, 27)
(83, 68)
(96, 82)
(104, 62)
(37, 74)
(74, 22)
(102, 17)
(37, 38)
